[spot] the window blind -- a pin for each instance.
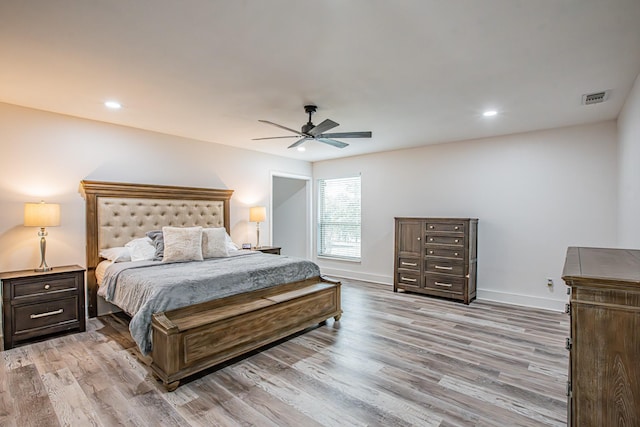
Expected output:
(339, 216)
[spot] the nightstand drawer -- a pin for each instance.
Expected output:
(45, 314)
(39, 286)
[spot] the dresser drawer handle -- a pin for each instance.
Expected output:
(439, 267)
(448, 285)
(406, 279)
(457, 241)
(457, 228)
(455, 254)
(49, 313)
(430, 252)
(411, 264)
(431, 239)
(431, 227)
(47, 286)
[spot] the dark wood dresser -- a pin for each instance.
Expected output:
(36, 304)
(436, 256)
(604, 347)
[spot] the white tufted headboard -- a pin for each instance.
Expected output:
(118, 212)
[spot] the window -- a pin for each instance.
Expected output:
(339, 218)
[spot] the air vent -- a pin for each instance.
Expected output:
(595, 98)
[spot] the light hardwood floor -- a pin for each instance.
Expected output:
(392, 360)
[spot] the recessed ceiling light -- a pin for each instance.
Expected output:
(302, 149)
(114, 105)
(490, 113)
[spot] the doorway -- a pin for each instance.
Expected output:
(291, 214)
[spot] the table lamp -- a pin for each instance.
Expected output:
(257, 214)
(42, 215)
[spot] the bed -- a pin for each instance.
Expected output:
(189, 337)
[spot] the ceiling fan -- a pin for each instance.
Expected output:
(311, 131)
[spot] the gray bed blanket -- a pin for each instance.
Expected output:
(147, 287)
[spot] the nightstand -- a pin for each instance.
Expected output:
(268, 249)
(36, 304)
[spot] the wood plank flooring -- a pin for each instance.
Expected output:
(392, 360)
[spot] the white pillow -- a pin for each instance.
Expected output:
(141, 249)
(119, 254)
(182, 244)
(214, 243)
(230, 245)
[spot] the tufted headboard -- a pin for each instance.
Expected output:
(118, 212)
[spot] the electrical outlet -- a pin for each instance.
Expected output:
(549, 282)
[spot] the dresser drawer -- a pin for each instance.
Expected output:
(409, 264)
(409, 279)
(435, 239)
(45, 314)
(446, 227)
(444, 283)
(442, 266)
(41, 285)
(445, 252)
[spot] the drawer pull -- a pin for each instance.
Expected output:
(47, 286)
(431, 239)
(411, 264)
(431, 227)
(439, 267)
(457, 228)
(49, 313)
(406, 279)
(455, 254)
(457, 241)
(419, 238)
(448, 285)
(430, 252)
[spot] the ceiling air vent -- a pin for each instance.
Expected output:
(595, 98)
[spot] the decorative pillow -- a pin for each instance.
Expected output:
(157, 238)
(141, 249)
(119, 254)
(214, 243)
(182, 244)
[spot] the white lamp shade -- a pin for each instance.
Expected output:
(41, 214)
(257, 214)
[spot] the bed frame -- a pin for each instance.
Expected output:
(190, 339)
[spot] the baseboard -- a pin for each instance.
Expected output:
(484, 295)
(523, 300)
(354, 275)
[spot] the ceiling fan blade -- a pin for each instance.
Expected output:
(281, 127)
(298, 142)
(333, 142)
(275, 137)
(345, 135)
(325, 125)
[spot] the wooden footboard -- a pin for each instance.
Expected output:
(194, 338)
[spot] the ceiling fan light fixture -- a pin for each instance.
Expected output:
(113, 105)
(490, 113)
(301, 149)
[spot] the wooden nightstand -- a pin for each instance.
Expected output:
(268, 249)
(35, 304)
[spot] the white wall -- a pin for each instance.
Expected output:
(535, 194)
(629, 170)
(46, 155)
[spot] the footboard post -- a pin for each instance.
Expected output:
(166, 346)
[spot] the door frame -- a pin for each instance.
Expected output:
(308, 206)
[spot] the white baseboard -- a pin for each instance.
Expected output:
(482, 294)
(354, 275)
(524, 300)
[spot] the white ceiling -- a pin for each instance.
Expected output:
(414, 72)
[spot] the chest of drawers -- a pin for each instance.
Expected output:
(436, 256)
(35, 304)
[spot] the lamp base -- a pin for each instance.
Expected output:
(43, 269)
